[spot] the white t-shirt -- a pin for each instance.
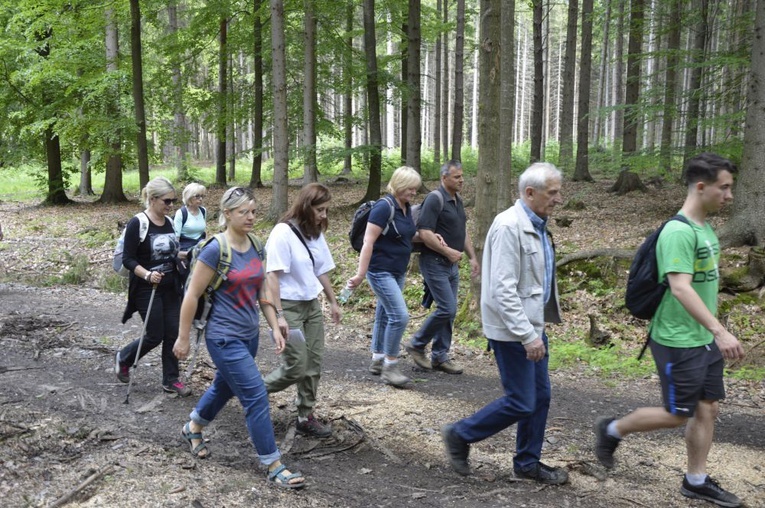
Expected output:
(286, 253)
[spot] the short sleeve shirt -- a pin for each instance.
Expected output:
(391, 251)
(234, 313)
(299, 279)
(449, 221)
(694, 250)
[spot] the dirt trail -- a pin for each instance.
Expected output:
(62, 419)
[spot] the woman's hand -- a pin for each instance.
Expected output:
(279, 341)
(355, 281)
(181, 348)
(284, 328)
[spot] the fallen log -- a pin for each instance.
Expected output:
(589, 254)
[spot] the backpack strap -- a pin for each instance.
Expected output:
(302, 240)
(224, 262)
(258, 246)
(184, 216)
(143, 226)
(390, 219)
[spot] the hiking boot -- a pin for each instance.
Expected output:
(543, 473)
(710, 491)
(449, 366)
(457, 450)
(418, 356)
(177, 387)
(375, 368)
(391, 375)
(122, 370)
(605, 445)
(313, 427)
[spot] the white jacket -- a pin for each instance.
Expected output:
(512, 280)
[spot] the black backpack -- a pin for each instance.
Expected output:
(644, 289)
(360, 219)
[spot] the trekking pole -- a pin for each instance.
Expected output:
(200, 325)
(140, 343)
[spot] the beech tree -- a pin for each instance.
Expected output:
(413, 105)
(138, 100)
(582, 171)
(537, 110)
(279, 197)
(373, 102)
(565, 139)
(310, 171)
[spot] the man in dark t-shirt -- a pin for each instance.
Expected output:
(439, 265)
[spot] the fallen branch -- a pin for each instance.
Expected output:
(4, 369)
(90, 479)
(589, 254)
(289, 440)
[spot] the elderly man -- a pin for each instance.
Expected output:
(518, 294)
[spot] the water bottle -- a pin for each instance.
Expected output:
(344, 295)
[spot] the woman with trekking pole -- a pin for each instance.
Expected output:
(153, 287)
(233, 333)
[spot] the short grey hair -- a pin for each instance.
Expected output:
(537, 175)
(233, 199)
(192, 190)
(449, 165)
(156, 187)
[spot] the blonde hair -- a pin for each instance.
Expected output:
(192, 190)
(156, 187)
(233, 199)
(404, 178)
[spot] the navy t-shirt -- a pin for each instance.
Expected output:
(391, 251)
(234, 314)
(449, 221)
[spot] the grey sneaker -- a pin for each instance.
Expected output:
(375, 368)
(122, 370)
(457, 450)
(710, 491)
(418, 356)
(449, 366)
(313, 427)
(543, 473)
(391, 375)
(177, 387)
(605, 445)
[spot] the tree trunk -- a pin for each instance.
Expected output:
(413, 131)
(310, 172)
(445, 89)
(279, 195)
(694, 88)
(404, 47)
(348, 92)
(56, 190)
(256, 179)
(504, 191)
(86, 180)
(437, 94)
(180, 131)
(632, 94)
(140, 110)
(537, 110)
(599, 131)
(459, 83)
(373, 94)
(670, 86)
(746, 225)
(582, 172)
(566, 139)
(230, 120)
(618, 88)
(220, 154)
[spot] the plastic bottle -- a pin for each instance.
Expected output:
(344, 295)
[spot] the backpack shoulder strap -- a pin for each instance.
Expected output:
(224, 261)
(302, 240)
(258, 246)
(184, 215)
(391, 222)
(143, 227)
(204, 212)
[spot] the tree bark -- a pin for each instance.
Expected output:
(537, 109)
(582, 171)
(506, 105)
(566, 139)
(413, 131)
(279, 195)
(618, 88)
(86, 180)
(698, 52)
(459, 83)
(256, 179)
(348, 91)
(437, 94)
(444, 127)
(220, 154)
(310, 171)
(632, 93)
(670, 86)
(180, 130)
(404, 47)
(599, 130)
(138, 101)
(373, 107)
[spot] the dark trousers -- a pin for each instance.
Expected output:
(526, 402)
(162, 328)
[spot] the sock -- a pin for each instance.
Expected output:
(611, 431)
(390, 362)
(696, 479)
(378, 356)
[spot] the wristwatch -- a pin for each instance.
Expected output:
(279, 313)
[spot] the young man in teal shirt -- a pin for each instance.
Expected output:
(688, 343)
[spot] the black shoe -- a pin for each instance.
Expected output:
(457, 450)
(543, 473)
(605, 445)
(313, 427)
(710, 491)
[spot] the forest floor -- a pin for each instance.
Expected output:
(63, 421)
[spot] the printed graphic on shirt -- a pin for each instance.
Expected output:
(244, 284)
(705, 268)
(163, 246)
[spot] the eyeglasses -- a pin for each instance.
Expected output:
(199, 196)
(169, 201)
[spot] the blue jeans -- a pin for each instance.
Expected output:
(238, 376)
(443, 279)
(391, 314)
(526, 402)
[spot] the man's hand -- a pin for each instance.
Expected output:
(729, 345)
(453, 255)
(535, 350)
(336, 313)
(475, 268)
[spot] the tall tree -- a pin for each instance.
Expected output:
(437, 94)
(746, 226)
(582, 171)
(459, 83)
(598, 131)
(670, 86)
(310, 171)
(180, 133)
(348, 88)
(222, 120)
(566, 135)
(413, 104)
(138, 100)
(537, 109)
(618, 71)
(256, 180)
(404, 48)
(373, 107)
(504, 193)
(445, 93)
(694, 87)
(279, 196)
(632, 93)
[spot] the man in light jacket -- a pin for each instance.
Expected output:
(518, 295)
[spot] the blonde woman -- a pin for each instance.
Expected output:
(191, 219)
(152, 262)
(383, 260)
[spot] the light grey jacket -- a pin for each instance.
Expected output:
(512, 280)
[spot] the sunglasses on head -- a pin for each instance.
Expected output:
(169, 201)
(238, 192)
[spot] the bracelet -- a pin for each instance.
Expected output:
(147, 276)
(279, 313)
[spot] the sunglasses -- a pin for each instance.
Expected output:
(238, 192)
(169, 201)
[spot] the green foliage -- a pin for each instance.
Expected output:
(75, 272)
(615, 361)
(114, 282)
